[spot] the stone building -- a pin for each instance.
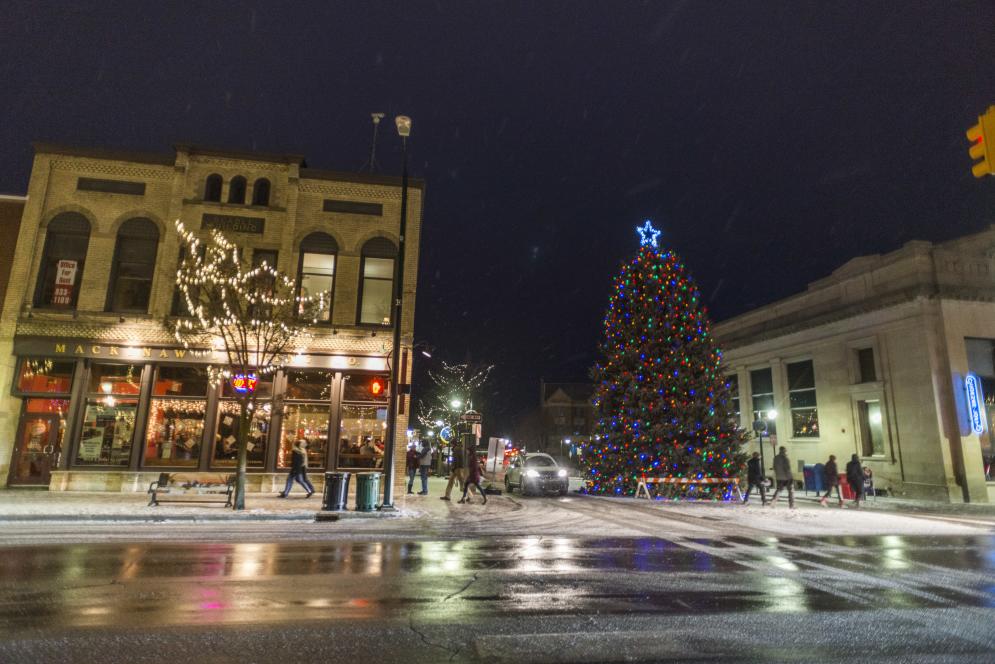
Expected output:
(100, 396)
(872, 360)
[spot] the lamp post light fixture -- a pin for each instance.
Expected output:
(455, 403)
(403, 123)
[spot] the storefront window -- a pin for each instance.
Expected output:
(304, 421)
(310, 385)
(108, 427)
(176, 417)
(39, 374)
(124, 379)
(226, 434)
(361, 435)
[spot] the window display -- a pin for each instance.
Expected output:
(361, 435)
(175, 430)
(108, 427)
(307, 421)
(226, 434)
(39, 374)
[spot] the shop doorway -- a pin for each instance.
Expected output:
(37, 449)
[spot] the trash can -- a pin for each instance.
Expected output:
(367, 491)
(336, 494)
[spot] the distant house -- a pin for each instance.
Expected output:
(567, 416)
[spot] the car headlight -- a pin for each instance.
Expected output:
(532, 473)
(561, 473)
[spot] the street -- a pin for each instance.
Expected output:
(537, 580)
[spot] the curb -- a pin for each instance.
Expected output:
(317, 517)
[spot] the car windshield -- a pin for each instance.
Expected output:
(539, 462)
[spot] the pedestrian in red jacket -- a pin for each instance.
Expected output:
(474, 473)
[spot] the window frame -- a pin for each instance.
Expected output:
(205, 439)
(792, 390)
(267, 185)
(43, 267)
(771, 424)
(315, 238)
(110, 303)
(376, 247)
(237, 185)
(208, 191)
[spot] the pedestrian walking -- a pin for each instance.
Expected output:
(831, 475)
(855, 478)
(474, 472)
(457, 473)
(411, 465)
(298, 469)
(783, 477)
(424, 463)
(755, 478)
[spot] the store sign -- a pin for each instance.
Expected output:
(446, 434)
(244, 384)
(65, 279)
(975, 401)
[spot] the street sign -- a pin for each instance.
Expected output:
(446, 434)
(472, 416)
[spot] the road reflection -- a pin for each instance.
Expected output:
(145, 585)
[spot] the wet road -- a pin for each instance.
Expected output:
(522, 599)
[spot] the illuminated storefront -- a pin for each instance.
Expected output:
(109, 408)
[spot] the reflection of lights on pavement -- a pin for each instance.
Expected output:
(248, 561)
(781, 562)
(320, 603)
(95, 611)
(893, 553)
(790, 595)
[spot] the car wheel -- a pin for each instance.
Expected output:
(521, 487)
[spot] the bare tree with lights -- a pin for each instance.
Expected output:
(249, 315)
(459, 381)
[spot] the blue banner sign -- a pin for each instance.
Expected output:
(446, 434)
(975, 400)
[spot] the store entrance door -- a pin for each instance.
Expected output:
(36, 451)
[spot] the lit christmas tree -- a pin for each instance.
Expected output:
(663, 405)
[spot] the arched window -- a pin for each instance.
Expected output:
(376, 286)
(317, 269)
(212, 188)
(133, 267)
(236, 190)
(61, 269)
(260, 192)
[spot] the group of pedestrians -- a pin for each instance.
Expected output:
(466, 475)
(784, 479)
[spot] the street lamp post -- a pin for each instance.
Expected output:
(404, 130)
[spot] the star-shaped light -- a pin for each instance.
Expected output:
(647, 234)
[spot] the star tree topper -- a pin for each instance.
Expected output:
(647, 234)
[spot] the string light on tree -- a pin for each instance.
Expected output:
(662, 403)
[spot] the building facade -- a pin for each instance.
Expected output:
(566, 416)
(99, 396)
(872, 360)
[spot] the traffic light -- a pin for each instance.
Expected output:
(377, 387)
(982, 137)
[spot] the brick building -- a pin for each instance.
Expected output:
(100, 397)
(872, 360)
(566, 416)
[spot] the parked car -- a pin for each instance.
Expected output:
(537, 473)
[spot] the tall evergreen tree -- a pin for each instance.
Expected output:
(663, 405)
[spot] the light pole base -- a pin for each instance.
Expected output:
(387, 508)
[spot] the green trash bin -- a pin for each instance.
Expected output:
(367, 491)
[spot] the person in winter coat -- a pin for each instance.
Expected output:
(474, 472)
(832, 478)
(782, 474)
(411, 466)
(424, 463)
(755, 478)
(855, 478)
(298, 469)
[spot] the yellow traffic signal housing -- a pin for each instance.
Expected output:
(982, 137)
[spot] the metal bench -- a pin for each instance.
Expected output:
(174, 489)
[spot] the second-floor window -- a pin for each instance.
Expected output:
(376, 287)
(212, 187)
(260, 192)
(133, 267)
(317, 269)
(61, 269)
(236, 190)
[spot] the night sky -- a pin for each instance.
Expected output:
(771, 141)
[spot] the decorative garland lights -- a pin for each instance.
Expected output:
(664, 408)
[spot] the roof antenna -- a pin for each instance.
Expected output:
(372, 162)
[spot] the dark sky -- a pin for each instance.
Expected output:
(771, 141)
